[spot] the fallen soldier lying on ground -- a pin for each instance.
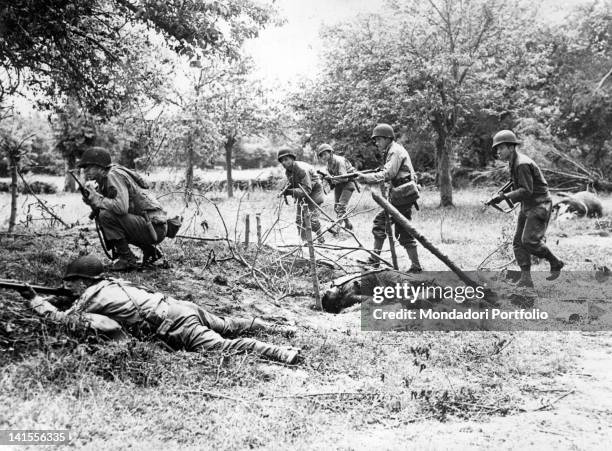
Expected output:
(115, 307)
(414, 291)
(579, 205)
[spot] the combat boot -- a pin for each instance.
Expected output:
(290, 356)
(525, 281)
(150, 254)
(415, 265)
(126, 258)
(555, 265)
(373, 261)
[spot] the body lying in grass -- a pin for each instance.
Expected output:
(115, 308)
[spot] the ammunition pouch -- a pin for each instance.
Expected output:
(404, 195)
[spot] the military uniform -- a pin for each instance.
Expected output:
(531, 190)
(343, 191)
(114, 305)
(125, 204)
(303, 175)
(396, 171)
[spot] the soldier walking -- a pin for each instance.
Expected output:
(397, 170)
(302, 180)
(338, 166)
(530, 189)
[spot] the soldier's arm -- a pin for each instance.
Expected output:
(388, 172)
(118, 204)
(524, 184)
(74, 317)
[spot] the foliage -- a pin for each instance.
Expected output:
(84, 48)
(581, 113)
(431, 70)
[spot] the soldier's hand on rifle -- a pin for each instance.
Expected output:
(496, 200)
(41, 306)
(27, 292)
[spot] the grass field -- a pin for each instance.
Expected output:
(356, 390)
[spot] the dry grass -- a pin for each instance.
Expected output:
(138, 395)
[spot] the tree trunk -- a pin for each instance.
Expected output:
(189, 169)
(229, 145)
(69, 183)
(443, 166)
(13, 161)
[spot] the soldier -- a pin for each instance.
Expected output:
(396, 171)
(115, 308)
(531, 190)
(302, 178)
(128, 213)
(338, 166)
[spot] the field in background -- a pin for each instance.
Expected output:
(357, 390)
(466, 233)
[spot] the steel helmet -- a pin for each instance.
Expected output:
(87, 267)
(285, 152)
(505, 136)
(98, 156)
(324, 148)
(384, 130)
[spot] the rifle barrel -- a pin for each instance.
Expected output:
(18, 286)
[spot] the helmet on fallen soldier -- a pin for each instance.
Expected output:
(87, 267)
(97, 156)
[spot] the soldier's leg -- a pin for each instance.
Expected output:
(225, 325)
(536, 223)
(407, 241)
(379, 230)
(315, 224)
(343, 202)
(299, 219)
(189, 333)
(521, 254)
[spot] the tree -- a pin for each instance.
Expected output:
(426, 68)
(240, 110)
(577, 99)
(79, 48)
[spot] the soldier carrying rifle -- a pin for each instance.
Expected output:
(127, 213)
(338, 166)
(530, 189)
(398, 176)
(304, 185)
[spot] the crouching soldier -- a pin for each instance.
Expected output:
(304, 185)
(115, 307)
(396, 171)
(530, 189)
(127, 212)
(343, 191)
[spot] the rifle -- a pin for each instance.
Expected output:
(283, 192)
(503, 190)
(93, 215)
(85, 193)
(18, 286)
(327, 178)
